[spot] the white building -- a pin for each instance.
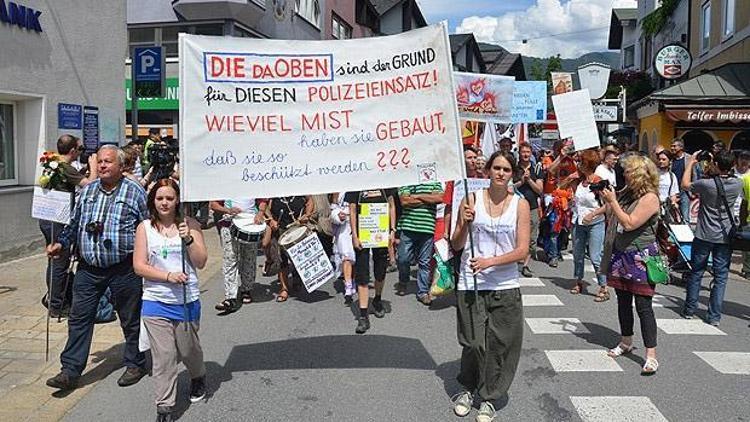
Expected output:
(54, 55)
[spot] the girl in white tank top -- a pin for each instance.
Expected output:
(165, 253)
(492, 237)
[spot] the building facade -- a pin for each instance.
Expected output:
(57, 59)
(719, 33)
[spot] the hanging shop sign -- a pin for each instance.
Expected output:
(605, 113)
(673, 61)
(595, 78)
(710, 115)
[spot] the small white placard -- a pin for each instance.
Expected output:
(575, 119)
(682, 232)
(311, 262)
(51, 205)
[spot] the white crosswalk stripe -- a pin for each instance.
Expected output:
(617, 409)
(541, 300)
(727, 362)
(688, 326)
(530, 282)
(582, 361)
(556, 325)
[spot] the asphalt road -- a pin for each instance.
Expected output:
(302, 361)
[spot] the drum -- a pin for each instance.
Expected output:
(245, 230)
(292, 236)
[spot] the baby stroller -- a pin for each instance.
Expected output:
(675, 240)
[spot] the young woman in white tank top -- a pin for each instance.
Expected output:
(490, 320)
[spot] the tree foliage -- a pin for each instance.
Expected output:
(638, 85)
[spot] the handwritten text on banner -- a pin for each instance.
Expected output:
(277, 117)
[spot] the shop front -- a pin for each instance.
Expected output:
(712, 107)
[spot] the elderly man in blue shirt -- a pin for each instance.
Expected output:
(103, 231)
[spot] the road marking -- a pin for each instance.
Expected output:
(582, 361)
(530, 282)
(688, 326)
(727, 362)
(660, 301)
(617, 409)
(541, 300)
(556, 325)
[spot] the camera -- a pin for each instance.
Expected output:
(163, 157)
(95, 227)
(705, 156)
(599, 186)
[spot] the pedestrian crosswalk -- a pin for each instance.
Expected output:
(561, 319)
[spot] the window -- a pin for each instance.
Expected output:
(729, 6)
(169, 35)
(705, 26)
(7, 145)
(628, 57)
(309, 10)
(141, 36)
(340, 30)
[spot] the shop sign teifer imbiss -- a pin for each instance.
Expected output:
(733, 115)
(673, 61)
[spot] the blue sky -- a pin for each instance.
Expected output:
(566, 27)
(454, 11)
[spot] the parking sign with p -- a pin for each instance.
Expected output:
(149, 71)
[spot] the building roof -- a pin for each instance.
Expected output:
(615, 26)
(499, 61)
(458, 41)
(382, 6)
(725, 83)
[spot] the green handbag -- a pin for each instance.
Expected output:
(657, 269)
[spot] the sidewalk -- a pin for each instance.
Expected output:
(23, 370)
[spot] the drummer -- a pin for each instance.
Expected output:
(239, 257)
(283, 212)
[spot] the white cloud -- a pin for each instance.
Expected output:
(543, 20)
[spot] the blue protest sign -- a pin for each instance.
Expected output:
(91, 128)
(69, 116)
(529, 101)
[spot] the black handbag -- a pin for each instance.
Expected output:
(739, 239)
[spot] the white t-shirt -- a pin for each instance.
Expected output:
(165, 254)
(584, 204)
(606, 174)
(668, 185)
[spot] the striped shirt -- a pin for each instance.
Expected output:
(119, 213)
(420, 219)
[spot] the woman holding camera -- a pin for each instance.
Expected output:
(171, 304)
(630, 238)
(588, 224)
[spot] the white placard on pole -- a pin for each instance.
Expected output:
(575, 119)
(311, 262)
(51, 205)
(459, 193)
(291, 117)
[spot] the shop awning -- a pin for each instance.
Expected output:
(728, 83)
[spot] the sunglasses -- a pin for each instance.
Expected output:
(80, 148)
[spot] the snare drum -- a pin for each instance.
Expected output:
(245, 230)
(293, 236)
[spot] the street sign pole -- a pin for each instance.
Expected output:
(133, 99)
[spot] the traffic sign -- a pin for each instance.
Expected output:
(149, 71)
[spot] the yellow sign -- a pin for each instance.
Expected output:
(374, 225)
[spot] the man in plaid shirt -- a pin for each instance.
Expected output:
(103, 230)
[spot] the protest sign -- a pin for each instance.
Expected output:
(575, 118)
(290, 117)
(311, 262)
(484, 98)
(50, 205)
(529, 102)
(459, 193)
(374, 225)
(562, 82)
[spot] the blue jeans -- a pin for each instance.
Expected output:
(90, 284)
(593, 237)
(551, 247)
(722, 255)
(685, 207)
(417, 245)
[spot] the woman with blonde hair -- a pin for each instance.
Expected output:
(630, 239)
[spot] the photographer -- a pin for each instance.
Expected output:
(163, 159)
(712, 232)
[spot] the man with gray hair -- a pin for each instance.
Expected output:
(678, 168)
(103, 229)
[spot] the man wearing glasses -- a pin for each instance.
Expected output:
(70, 149)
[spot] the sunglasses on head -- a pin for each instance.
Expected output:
(80, 148)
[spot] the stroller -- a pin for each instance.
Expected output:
(675, 241)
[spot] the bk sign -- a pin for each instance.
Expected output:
(148, 71)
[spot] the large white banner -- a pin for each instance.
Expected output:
(268, 118)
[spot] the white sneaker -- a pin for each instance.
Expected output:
(462, 403)
(486, 412)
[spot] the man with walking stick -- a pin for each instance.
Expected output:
(103, 229)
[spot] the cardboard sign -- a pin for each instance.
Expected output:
(51, 205)
(291, 117)
(575, 118)
(374, 225)
(311, 262)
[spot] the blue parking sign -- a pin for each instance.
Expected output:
(149, 64)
